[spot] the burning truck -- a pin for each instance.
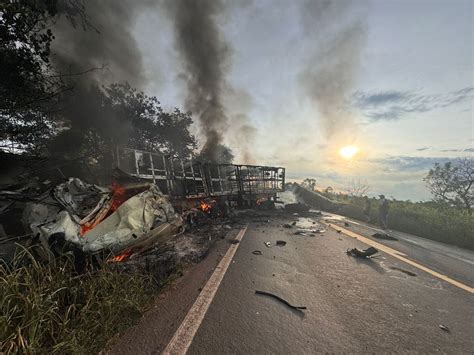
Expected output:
(155, 197)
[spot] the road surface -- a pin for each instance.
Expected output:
(353, 305)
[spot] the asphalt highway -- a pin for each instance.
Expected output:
(352, 305)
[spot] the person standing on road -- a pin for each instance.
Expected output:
(367, 208)
(383, 212)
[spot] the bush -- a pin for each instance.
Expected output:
(443, 224)
(49, 309)
(447, 225)
(429, 220)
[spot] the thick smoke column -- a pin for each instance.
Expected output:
(338, 31)
(102, 39)
(99, 42)
(205, 55)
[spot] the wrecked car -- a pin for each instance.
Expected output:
(93, 219)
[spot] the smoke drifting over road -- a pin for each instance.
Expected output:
(205, 56)
(338, 31)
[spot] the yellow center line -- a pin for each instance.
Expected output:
(402, 257)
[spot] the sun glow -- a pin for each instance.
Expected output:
(348, 152)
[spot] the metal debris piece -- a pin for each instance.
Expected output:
(280, 242)
(409, 273)
(367, 253)
(303, 231)
(257, 252)
(267, 244)
(445, 328)
(297, 308)
(261, 221)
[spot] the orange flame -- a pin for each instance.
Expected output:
(118, 197)
(205, 207)
(121, 257)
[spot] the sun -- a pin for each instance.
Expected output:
(348, 152)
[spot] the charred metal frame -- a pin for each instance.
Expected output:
(180, 178)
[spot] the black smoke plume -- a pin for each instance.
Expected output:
(94, 47)
(205, 56)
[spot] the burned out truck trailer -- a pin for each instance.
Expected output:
(244, 185)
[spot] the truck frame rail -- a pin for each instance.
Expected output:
(180, 178)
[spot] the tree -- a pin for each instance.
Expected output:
(29, 88)
(357, 188)
(97, 119)
(309, 183)
(453, 183)
(329, 190)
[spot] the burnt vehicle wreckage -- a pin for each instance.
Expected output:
(152, 197)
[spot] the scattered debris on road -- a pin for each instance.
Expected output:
(347, 224)
(267, 244)
(257, 252)
(286, 225)
(234, 241)
(409, 273)
(297, 308)
(304, 231)
(280, 242)
(367, 253)
(383, 236)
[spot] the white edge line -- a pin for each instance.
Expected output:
(184, 335)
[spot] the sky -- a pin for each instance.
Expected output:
(400, 74)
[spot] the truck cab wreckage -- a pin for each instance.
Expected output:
(152, 197)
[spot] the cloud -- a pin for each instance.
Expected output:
(457, 150)
(395, 105)
(409, 164)
(450, 150)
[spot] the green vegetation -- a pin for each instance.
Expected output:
(47, 308)
(432, 220)
(448, 218)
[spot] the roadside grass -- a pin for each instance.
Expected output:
(48, 308)
(424, 219)
(429, 220)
